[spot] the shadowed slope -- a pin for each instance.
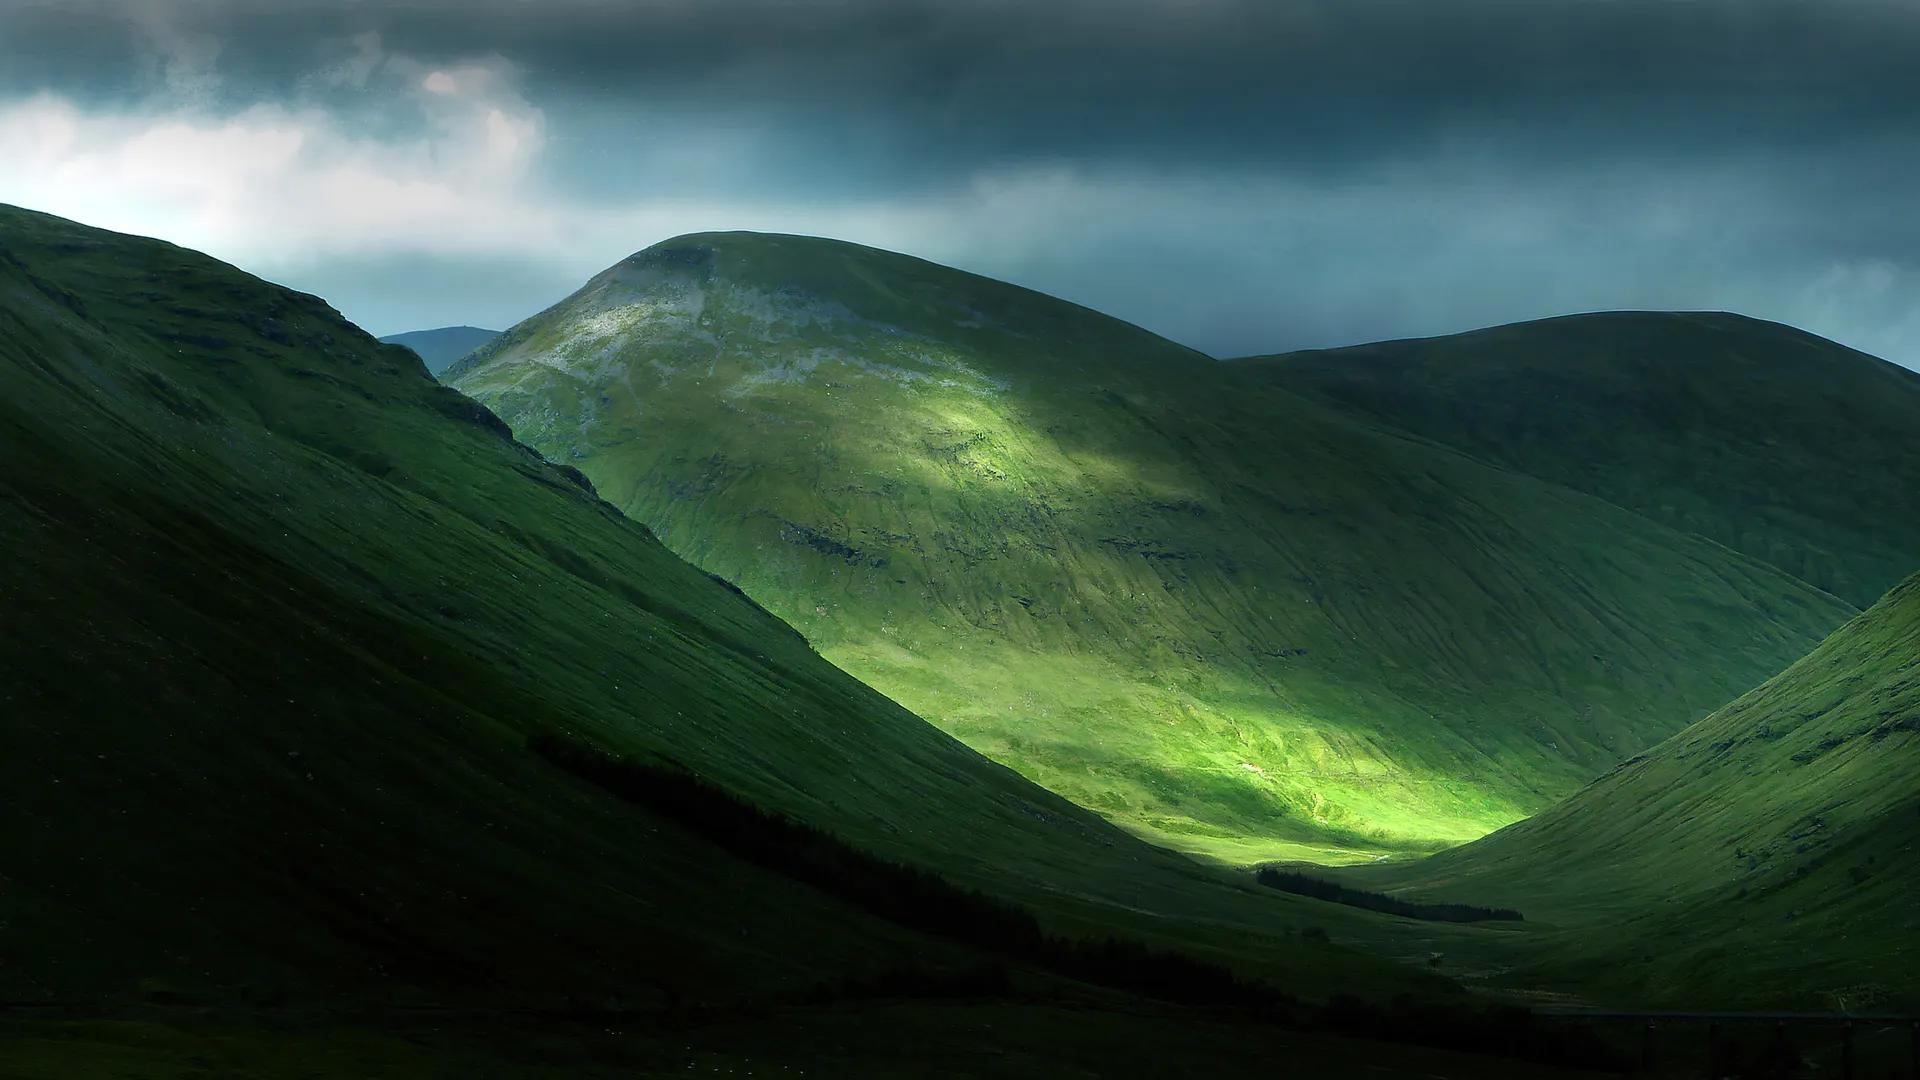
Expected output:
(1769, 853)
(1221, 614)
(1774, 442)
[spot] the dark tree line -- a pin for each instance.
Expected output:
(927, 903)
(1321, 889)
(903, 895)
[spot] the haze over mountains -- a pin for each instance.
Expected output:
(1235, 619)
(439, 348)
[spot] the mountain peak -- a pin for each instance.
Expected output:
(698, 293)
(1126, 568)
(440, 347)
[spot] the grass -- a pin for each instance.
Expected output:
(1238, 622)
(1765, 855)
(1774, 442)
(277, 615)
(907, 896)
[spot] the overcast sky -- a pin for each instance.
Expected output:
(1241, 176)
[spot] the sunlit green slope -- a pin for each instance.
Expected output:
(277, 612)
(1770, 852)
(1219, 613)
(1772, 441)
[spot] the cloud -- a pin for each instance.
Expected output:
(1237, 264)
(270, 182)
(1241, 176)
(360, 56)
(186, 57)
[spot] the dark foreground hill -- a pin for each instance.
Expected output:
(278, 615)
(1779, 444)
(1231, 618)
(1769, 853)
(438, 349)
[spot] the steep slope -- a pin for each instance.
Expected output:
(277, 614)
(1770, 852)
(438, 349)
(1774, 442)
(1223, 615)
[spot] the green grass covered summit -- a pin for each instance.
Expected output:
(1234, 619)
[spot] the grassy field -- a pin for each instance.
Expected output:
(1774, 442)
(1231, 619)
(1767, 854)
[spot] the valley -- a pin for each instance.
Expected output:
(1701, 869)
(339, 715)
(912, 539)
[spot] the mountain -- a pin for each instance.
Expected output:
(440, 348)
(279, 617)
(1769, 853)
(1236, 620)
(1779, 444)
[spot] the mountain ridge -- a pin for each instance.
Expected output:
(1239, 620)
(441, 346)
(1755, 434)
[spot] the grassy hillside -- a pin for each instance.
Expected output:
(1772, 441)
(277, 615)
(1230, 618)
(438, 349)
(1769, 853)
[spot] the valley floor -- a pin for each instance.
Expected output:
(959, 1038)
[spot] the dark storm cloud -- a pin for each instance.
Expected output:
(1301, 83)
(1245, 176)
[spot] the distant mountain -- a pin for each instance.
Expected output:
(440, 348)
(1234, 619)
(1769, 853)
(278, 614)
(1774, 442)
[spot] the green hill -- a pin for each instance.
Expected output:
(1233, 619)
(438, 349)
(278, 614)
(1767, 439)
(1768, 854)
